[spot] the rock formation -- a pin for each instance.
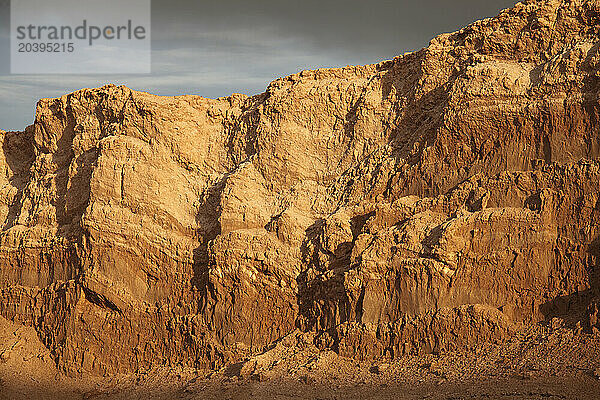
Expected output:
(424, 204)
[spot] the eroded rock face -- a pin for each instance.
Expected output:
(426, 203)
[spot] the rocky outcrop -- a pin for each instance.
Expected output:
(422, 204)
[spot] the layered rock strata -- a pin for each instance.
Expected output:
(423, 204)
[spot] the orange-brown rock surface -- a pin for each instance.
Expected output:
(432, 202)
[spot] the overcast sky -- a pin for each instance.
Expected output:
(214, 48)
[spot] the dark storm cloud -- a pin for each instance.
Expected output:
(379, 28)
(4, 38)
(213, 48)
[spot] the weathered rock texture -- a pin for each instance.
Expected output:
(422, 204)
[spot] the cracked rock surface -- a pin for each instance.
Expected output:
(445, 199)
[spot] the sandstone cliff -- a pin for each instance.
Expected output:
(423, 204)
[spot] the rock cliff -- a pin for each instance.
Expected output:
(428, 203)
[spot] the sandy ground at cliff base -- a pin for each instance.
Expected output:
(538, 363)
